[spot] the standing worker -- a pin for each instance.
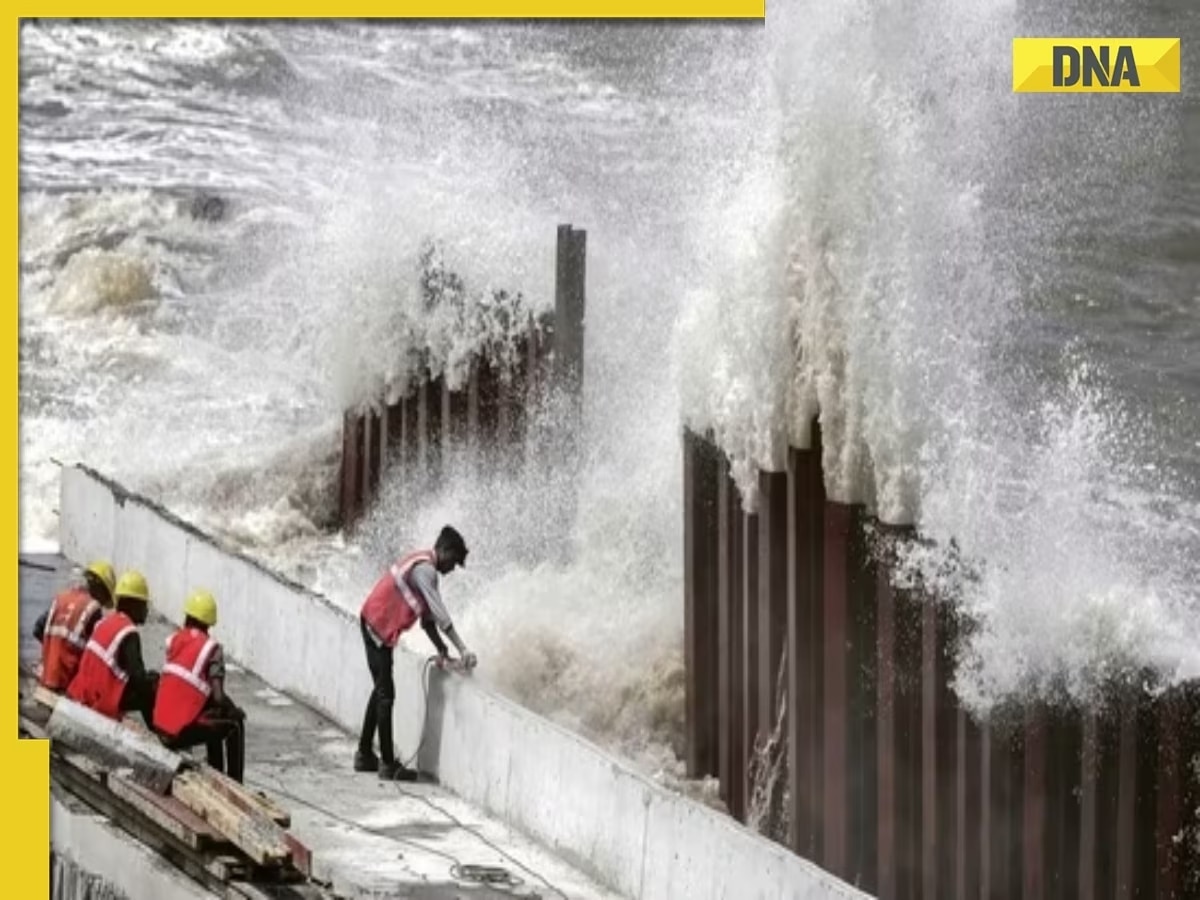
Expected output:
(191, 706)
(406, 592)
(64, 629)
(112, 679)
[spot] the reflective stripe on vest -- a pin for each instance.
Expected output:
(63, 637)
(400, 572)
(108, 655)
(100, 682)
(183, 689)
(393, 605)
(72, 635)
(193, 675)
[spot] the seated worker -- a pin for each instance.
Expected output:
(64, 629)
(112, 679)
(192, 707)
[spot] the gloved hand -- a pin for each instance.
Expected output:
(470, 661)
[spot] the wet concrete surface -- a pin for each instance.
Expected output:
(368, 838)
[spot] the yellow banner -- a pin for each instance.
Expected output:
(1096, 65)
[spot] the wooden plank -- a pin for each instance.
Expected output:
(250, 801)
(71, 780)
(258, 837)
(166, 812)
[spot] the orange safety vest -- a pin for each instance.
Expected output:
(63, 640)
(391, 610)
(101, 681)
(183, 686)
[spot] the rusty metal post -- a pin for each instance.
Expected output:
(424, 426)
(947, 756)
(373, 442)
(474, 410)
(1174, 845)
(394, 434)
(700, 535)
(1063, 789)
(728, 630)
(352, 446)
(414, 428)
(929, 745)
(772, 591)
(455, 419)
(806, 503)
(908, 615)
(835, 856)
(1127, 788)
(1002, 814)
(1089, 774)
(885, 693)
(569, 308)
(431, 434)
(447, 436)
(862, 726)
(751, 726)
(969, 806)
(737, 680)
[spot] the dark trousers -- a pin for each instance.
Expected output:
(378, 715)
(224, 737)
(138, 697)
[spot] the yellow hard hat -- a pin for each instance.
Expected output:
(132, 584)
(103, 570)
(202, 606)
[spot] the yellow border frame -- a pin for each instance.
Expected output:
(25, 764)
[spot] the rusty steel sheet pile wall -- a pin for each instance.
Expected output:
(886, 781)
(491, 409)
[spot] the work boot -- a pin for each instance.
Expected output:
(366, 762)
(396, 772)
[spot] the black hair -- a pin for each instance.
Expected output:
(450, 541)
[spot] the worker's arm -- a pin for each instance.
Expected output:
(424, 576)
(429, 624)
(39, 627)
(216, 677)
(129, 658)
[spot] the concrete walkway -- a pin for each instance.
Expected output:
(368, 838)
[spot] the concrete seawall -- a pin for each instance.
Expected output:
(588, 807)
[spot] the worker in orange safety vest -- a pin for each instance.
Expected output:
(64, 629)
(191, 707)
(405, 594)
(112, 678)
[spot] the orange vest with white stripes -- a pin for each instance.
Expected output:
(183, 687)
(101, 681)
(63, 640)
(392, 609)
